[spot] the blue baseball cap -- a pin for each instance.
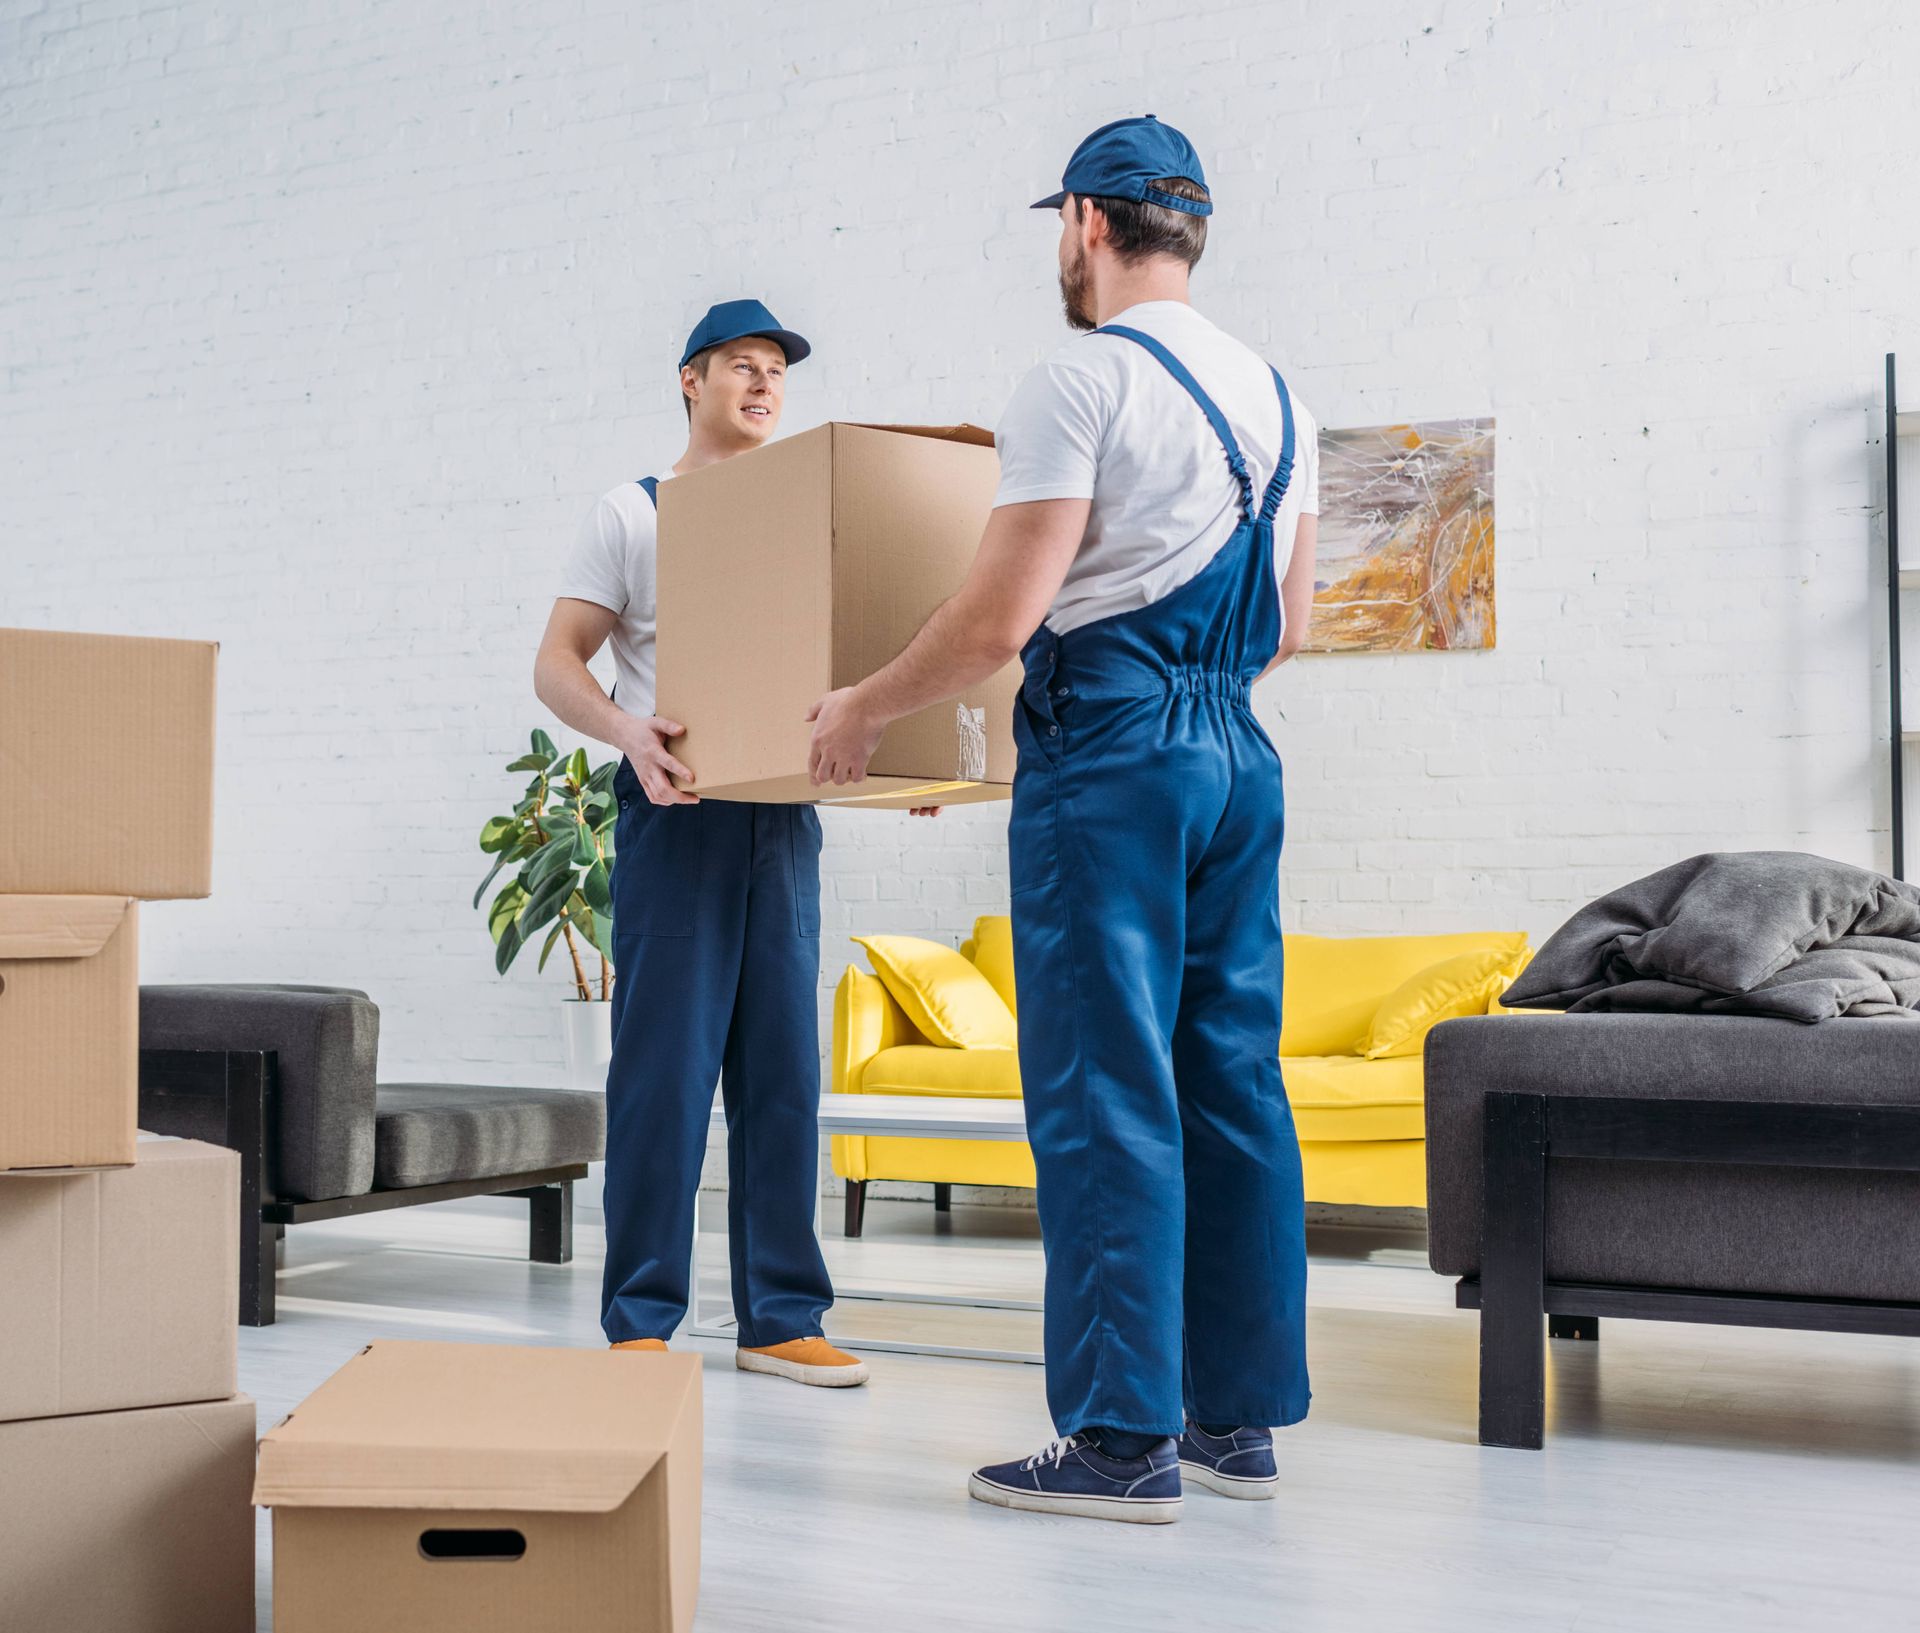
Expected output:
(1124, 160)
(735, 320)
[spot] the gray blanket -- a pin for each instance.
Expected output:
(1738, 933)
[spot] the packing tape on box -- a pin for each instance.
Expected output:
(971, 727)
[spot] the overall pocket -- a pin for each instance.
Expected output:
(656, 865)
(804, 839)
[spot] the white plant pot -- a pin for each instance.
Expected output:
(586, 1029)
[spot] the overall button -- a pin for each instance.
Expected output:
(1063, 691)
(1053, 731)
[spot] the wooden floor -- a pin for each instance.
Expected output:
(1694, 1478)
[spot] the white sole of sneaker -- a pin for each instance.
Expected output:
(817, 1377)
(1127, 1510)
(1229, 1485)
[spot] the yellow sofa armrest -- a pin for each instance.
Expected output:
(865, 1020)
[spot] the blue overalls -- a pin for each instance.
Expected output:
(716, 913)
(1144, 852)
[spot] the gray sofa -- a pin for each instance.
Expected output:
(287, 1076)
(1683, 1167)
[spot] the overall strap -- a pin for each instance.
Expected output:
(1283, 472)
(1235, 461)
(652, 483)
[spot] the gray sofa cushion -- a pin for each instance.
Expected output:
(1761, 1230)
(326, 1038)
(429, 1132)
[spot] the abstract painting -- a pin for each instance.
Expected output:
(1405, 562)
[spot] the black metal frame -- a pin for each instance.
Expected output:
(1522, 1131)
(231, 1097)
(1898, 746)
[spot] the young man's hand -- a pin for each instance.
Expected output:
(656, 768)
(844, 738)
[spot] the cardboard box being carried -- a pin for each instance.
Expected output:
(69, 1031)
(128, 1522)
(805, 566)
(120, 1286)
(106, 765)
(479, 1487)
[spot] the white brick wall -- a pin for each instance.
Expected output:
(320, 330)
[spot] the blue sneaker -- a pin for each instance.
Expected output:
(1073, 1476)
(1236, 1465)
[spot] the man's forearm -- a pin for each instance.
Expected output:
(568, 688)
(948, 655)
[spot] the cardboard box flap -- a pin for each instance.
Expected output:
(942, 433)
(58, 926)
(346, 1474)
(477, 1427)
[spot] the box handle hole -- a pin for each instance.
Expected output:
(450, 1543)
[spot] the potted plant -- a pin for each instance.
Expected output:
(560, 837)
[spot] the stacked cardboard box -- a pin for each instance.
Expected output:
(125, 1453)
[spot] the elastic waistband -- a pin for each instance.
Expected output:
(1114, 675)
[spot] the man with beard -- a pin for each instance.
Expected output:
(1149, 557)
(716, 911)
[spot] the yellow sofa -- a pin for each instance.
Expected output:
(1361, 1122)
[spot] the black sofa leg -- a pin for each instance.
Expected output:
(259, 1257)
(1574, 1326)
(1513, 1273)
(550, 1209)
(856, 1205)
(942, 1198)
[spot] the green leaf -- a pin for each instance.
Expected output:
(553, 935)
(529, 762)
(577, 772)
(596, 888)
(549, 859)
(498, 863)
(603, 936)
(509, 944)
(497, 835)
(556, 825)
(505, 909)
(542, 745)
(545, 904)
(602, 780)
(584, 855)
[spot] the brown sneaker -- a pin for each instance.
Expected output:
(806, 1361)
(640, 1343)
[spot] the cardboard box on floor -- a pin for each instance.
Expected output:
(804, 566)
(120, 1286)
(129, 1522)
(69, 1030)
(482, 1487)
(106, 765)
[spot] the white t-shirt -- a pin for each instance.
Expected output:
(612, 565)
(1102, 419)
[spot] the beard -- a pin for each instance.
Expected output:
(1076, 294)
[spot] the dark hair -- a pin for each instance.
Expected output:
(698, 363)
(1138, 230)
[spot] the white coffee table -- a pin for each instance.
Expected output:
(923, 1117)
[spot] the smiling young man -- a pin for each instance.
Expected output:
(1150, 555)
(716, 911)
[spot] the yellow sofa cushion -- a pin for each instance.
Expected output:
(1334, 984)
(1461, 985)
(991, 950)
(946, 998)
(919, 1068)
(1342, 1097)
